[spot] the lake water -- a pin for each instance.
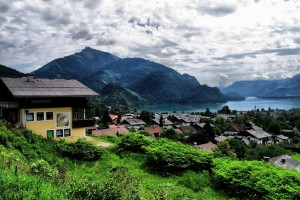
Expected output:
(248, 104)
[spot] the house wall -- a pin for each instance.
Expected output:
(62, 120)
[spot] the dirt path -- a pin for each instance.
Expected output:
(97, 142)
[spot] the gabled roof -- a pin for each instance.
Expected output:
(112, 130)
(286, 161)
(153, 129)
(135, 122)
(187, 128)
(30, 87)
(207, 146)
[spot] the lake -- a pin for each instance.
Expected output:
(248, 104)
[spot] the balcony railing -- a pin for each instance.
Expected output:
(81, 123)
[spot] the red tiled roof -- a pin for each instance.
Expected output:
(153, 130)
(187, 128)
(111, 131)
(113, 117)
(207, 146)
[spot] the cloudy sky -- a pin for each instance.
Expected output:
(218, 41)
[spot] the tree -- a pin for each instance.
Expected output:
(238, 147)
(207, 112)
(171, 134)
(161, 121)
(274, 127)
(146, 116)
(106, 118)
(224, 110)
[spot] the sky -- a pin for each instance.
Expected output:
(217, 41)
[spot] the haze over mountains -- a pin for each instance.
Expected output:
(150, 80)
(283, 88)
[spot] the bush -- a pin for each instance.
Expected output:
(172, 156)
(134, 142)
(195, 181)
(80, 150)
(256, 180)
(42, 168)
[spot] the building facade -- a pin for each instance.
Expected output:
(52, 108)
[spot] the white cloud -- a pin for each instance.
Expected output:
(217, 41)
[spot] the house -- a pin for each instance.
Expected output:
(200, 126)
(282, 138)
(256, 134)
(165, 122)
(52, 108)
(114, 118)
(186, 129)
(285, 161)
(111, 130)
(235, 128)
(135, 123)
(154, 130)
(207, 146)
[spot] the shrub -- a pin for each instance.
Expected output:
(134, 142)
(195, 181)
(42, 168)
(171, 156)
(256, 180)
(171, 134)
(121, 185)
(80, 150)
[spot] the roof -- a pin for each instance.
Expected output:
(153, 129)
(207, 146)
(282, 137)
(258, 132)
(187, 128)
(286, 161)
(26, 87)
(135, 122)
(113, 117)
(235, 127)
(166, 122)
(112, 130)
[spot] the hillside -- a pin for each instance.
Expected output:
(9, 72)
(112, 94)
(266, 88)
(153, 81)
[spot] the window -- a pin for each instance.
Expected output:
(40, 116)
(59, 133)
(67, 132)
(29, 117)
(50, 134)
(49, 115)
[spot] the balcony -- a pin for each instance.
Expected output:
(81, 123)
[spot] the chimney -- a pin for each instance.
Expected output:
(267, 159)
(30, 77)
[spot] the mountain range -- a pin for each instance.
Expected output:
(149, 81)
(282, 88)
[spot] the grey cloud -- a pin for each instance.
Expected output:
(297, 40)
(185, 51)
(106, 42)
(4, 7)
(80, 34)
(91, 4)
(279, 52)
(218, 11)
(53, 18)
(139, 22)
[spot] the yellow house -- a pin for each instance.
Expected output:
(52, 108)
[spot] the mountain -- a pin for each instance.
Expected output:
(152, 81)
(266, 88)
(9, 72)
(77, 66)
(113, 94)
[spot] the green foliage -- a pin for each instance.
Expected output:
(171, 134)
(238, 146)
(146, 116)
(106, 118)
(224, 110)
(145, 133)
(31, 187)
(224, 149)
(121, 185)
(134, 142)
(80, 150)
(260, 151)
(42, 168)
(196, 181)
(171, 156)
(256, 180)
